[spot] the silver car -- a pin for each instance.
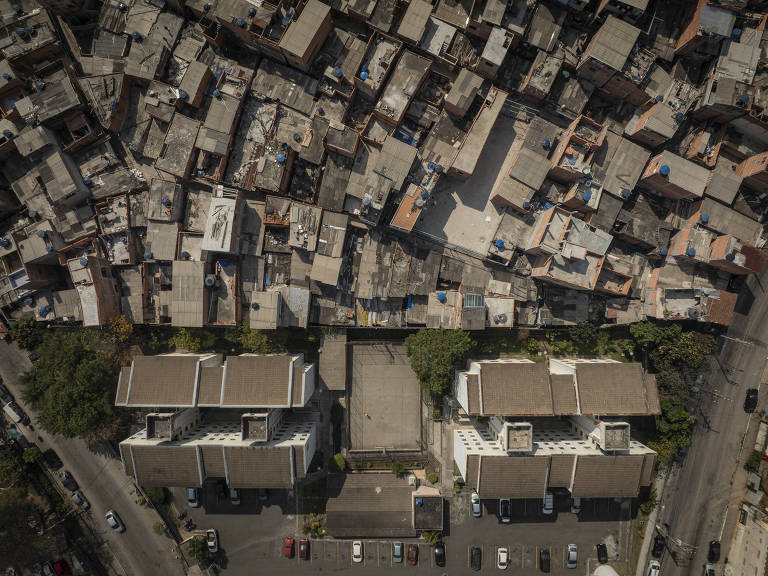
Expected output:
(80, 500)
(397, 552)
(477, 509)
(572, 556)
(114, 521)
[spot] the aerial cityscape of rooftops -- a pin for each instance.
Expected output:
(293, 286)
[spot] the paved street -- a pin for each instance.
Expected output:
(695, 507)
(138, 551)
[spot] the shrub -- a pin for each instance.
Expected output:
(158, 528)
(432, 537)
(753, 462)
(433, 478)
(398, 468)
(337, 463)
(198, 548)
(532, 346)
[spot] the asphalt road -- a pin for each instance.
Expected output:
(702, 505)
(138, 551)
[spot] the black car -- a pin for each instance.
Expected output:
(750, 402)
(5, 394)
(505, 514)
(52, 459)
(475, 558)
(440, 554)
(602, 553)
(544, 559)
(658, 546)
(714, 551)
(68, 481)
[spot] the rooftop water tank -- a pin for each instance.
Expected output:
(48, 248)
(210, 280)
(366, 200)
(691, 252)
(587, 196)
(625, 192)
(217, 94)
(251, 12)
(135, 35)
(240, 22)
(730, 257)
(338, 72)
(87, 181)
(664, 251)
(43, 310)
(281, 158)
(424, 194)
(183, 94)
(500, 244)
(83, 261)
(664, 170)
(526, 205)
(147, 255)
(320, 111)
(4, 242)
(439, 168)
(363, 75)
(441, 297)
(6, 76)
(40, 233)
(546, 143)
(704, 218)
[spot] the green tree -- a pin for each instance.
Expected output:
(31, 455)
(198, 548)
(532, 346)
(433, 354)
(119, 329)
(72, 386)
(27, 333)
(156, 494)
(337, 463)
(584, 336)
(158, 528)
(563, 348)
(648, 335)
(259, 341)
(186, 339)
(398, 468)
(9, 465)
(689, 349)
(18, 535)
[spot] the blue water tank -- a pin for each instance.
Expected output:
(210, 280)
(587, 196)
(20, 31)
(431, 166)
(251, 12)
(217, 94)
(87, 181)
(664, 170)
(40, 233)
(33, 213)
(6, 76)
(281, 158)
(500, 244)
(664, 251)
(147, 255)
(240, 22)
(659, 98)
(439, 168)
(185, 255)
(135, 35)
(736, 33)
(183, 94)
(43, 310)
(546, 143)
(526, 205)
(255, 305)
(730, 257)
(441, 297)
(548, 322)
(48, 248)
(166, 201)
(704, 218)
(691, 252)
(366, 200)
(625, 193)
(338, 72)
(679, 116)
(321, 111)
(364, 75)
(31, 31)
(84, 261)
(4, 242)
(201, 173)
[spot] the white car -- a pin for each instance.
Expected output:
(572, 556)
(654, 568)
(502, 559)
(80, 500)
(477, 509)
(114, 521)
(548, 505)
(357, 551)
(212, 539)
(192, 499)
(234, 496)
(575, 505)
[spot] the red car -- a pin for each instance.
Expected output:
(304, 549)
(413, 555)
(61, 567)
(288, 547)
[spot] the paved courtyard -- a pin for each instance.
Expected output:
(384, 399)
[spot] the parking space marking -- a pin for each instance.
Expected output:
(468, 554)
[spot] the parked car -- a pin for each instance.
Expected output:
(548, 504)
(52, 459)
(288, 543)
(34, 356)
(61, 567)
(68, 481)
(544, 559)
(114, 521)
(47, 569)
(413, 554)
(654, 568)
(234, 496)
(5, 394)
(304, 549)
(193, 497)
(475, 558)
(750, 402)
(397, 552)
(575, 505)
(709, 569)
(80, 500)
(212, 539)
(477, 509)
(440, 554)
(658, 546)
(505, 514)
(502, 558)
(357, 551)
(714, 551)
(572, 556)
(602, 553)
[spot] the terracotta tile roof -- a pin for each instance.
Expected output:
(515, 389)
(163, 381)
(561, 470)
(603, 476)
(166, 465)
(259, 467)
(563, 394)
(613, 389)
(209, 392)
(508, 477)
(252, 380)
(720, 310)
(213, 461)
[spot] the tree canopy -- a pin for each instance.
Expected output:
(433, 354)
(27, 333)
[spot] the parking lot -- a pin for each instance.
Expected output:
(251, 534)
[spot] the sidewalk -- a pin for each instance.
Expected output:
(650, 528)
